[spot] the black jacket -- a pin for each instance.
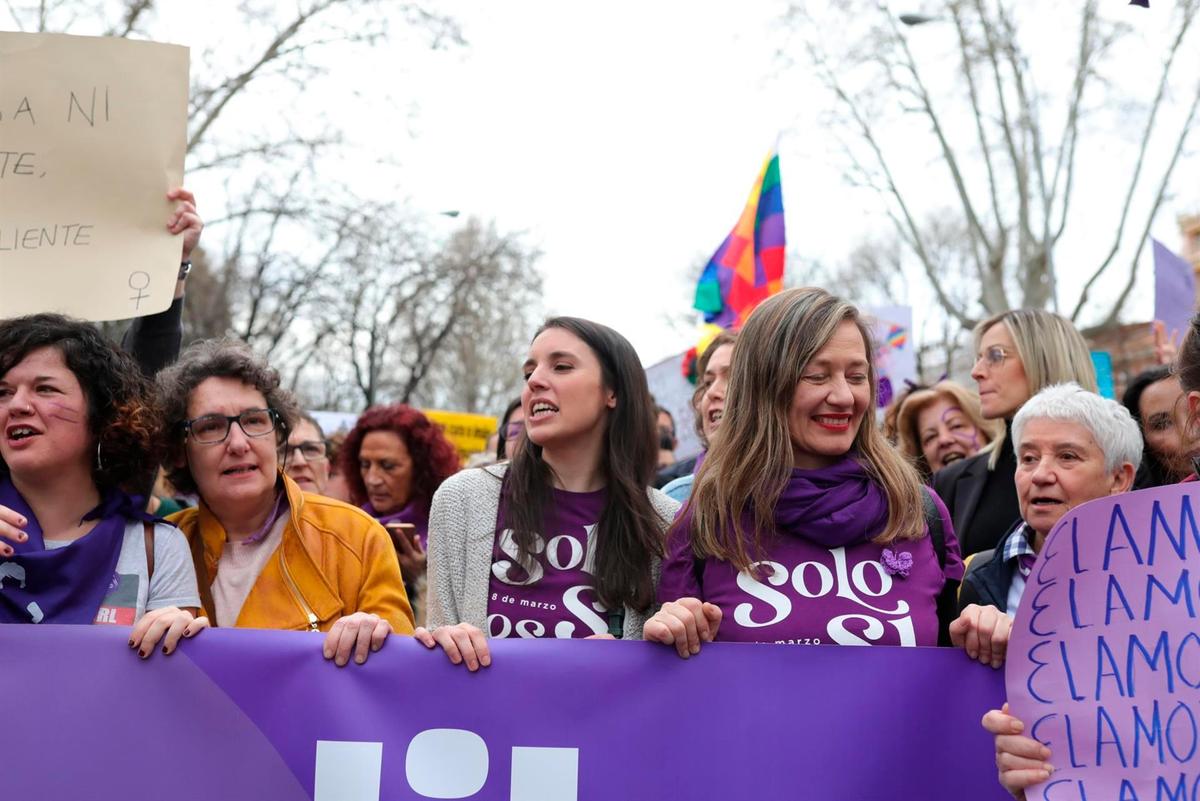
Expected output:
(962, 487)
(153, 341)
(988, 579)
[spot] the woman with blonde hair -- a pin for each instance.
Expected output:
(938, 425)
(805, 525)
(1018, 354)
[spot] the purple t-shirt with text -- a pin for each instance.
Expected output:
(556, 597)
(808, 594)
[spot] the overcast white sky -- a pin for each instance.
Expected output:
(623, 138)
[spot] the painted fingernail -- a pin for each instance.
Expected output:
(131, 643)
(166, 652)
(23, 522)
(21, 535)
(144, 654)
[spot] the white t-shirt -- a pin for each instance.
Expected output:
(173, 584)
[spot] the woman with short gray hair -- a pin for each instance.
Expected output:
(1072, 446)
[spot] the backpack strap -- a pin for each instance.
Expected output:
(937, 531)
(148, 535)
(947, 601)
(203, 582)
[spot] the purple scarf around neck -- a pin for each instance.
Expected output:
(63, 585)
(415, 513)
(832, 506)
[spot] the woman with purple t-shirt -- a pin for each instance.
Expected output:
(805, 526)
(565, 540)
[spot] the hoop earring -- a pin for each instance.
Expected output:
(99, 461)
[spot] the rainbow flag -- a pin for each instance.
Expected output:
(748, 267)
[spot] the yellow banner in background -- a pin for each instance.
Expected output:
(92, 136)
(468, 432)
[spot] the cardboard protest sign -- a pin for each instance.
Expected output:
(92, 136)
(1104, 660)
(468, 432)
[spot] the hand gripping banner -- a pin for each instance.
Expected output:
(241, 714)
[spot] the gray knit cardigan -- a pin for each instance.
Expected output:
(462, 534)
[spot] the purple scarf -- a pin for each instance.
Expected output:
(832, 506)
(63, 585)
(415, 512)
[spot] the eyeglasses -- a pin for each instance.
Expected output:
(994, 356)
(209, 429)
(513, 429)
(311, 449)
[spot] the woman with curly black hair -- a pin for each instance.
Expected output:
(78, 443)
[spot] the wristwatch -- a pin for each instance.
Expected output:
(185, 267)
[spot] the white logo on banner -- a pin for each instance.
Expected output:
(444, 763)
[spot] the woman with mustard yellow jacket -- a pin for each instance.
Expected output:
(268, 555)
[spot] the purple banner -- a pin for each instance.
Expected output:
(239, 714)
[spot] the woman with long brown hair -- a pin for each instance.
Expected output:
(805, 525)
(563, 540)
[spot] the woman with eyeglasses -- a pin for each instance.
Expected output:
(268, 555)
(78, 442)
(512, 426)
(305, 456)
(1018, 354)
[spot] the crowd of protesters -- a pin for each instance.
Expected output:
(932, 519)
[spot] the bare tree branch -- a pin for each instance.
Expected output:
(1111, 318)
(1189, 13)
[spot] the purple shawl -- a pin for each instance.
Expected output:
(63, 585)
(830, 506)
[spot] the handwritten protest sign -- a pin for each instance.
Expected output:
(1104, 660)
(92, 136)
